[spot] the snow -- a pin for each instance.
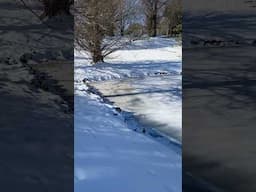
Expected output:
(143, 58)
(109, 156)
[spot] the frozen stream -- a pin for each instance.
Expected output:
(155, 101)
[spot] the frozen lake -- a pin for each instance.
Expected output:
(155, 101)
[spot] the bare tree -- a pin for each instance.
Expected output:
(94, 27)
(127, 11)
(173, 15)
(152, 10)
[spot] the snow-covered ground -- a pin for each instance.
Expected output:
(111, 157)
(108, 155)
(142, 58)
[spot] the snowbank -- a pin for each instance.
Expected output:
(111, 157)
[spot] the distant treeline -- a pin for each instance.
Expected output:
(100, 24)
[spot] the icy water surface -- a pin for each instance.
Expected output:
(155, 101)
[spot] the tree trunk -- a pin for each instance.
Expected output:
(97, 52)
(154, 25)
(150, 26)
(169, 30)
(154, 19)
(97, 57)
(111, 30)
(122, 32)
(122, 27)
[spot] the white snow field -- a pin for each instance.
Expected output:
(109, 156)
(142, 58)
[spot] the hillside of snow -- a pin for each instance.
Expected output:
(109, 155)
